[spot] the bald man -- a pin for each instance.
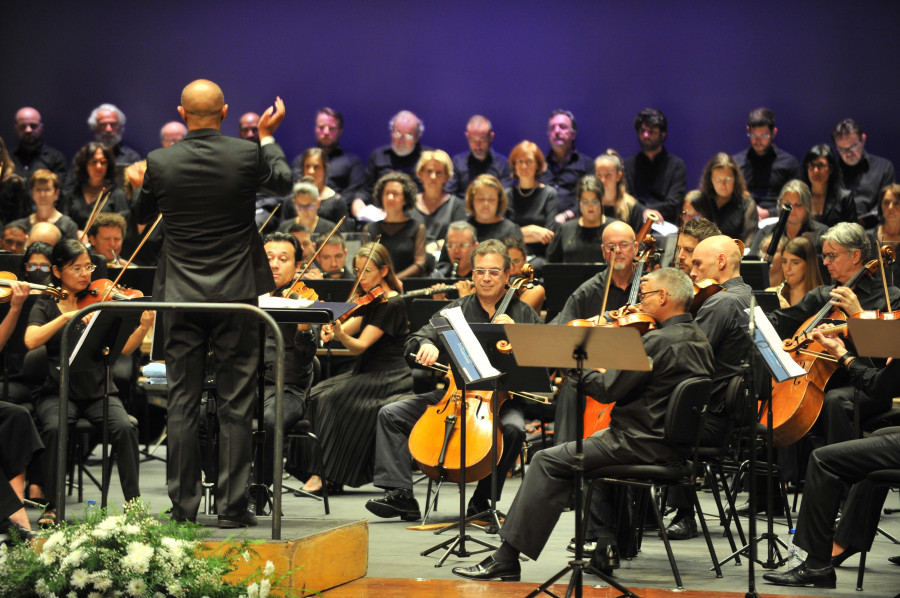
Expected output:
(171, 133)
(480, 159)
(32, 154)
(46, 232)
(723, 320)
(248, 127)
(209, 182)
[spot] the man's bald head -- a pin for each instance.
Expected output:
(45, 232)
(202, 105)
(717, 257)
(617, 228)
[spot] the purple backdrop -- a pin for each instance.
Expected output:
(704, 64)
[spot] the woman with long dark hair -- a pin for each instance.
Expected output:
(831, 202)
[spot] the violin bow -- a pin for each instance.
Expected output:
(267, 219)
(365, 265)
(98, 205)
(300, 274)
(887, 298)
(674, 263)
(131, 259)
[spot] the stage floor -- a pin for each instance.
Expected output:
(395, 567)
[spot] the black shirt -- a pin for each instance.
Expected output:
(658, 184)
(766, 175)
(839, 207)
(466, 168)
(496, 230)
(739, 219)
(587, 300)
(382, 161)
(564, 177)
(539, 206)
(387, 353)
(437, 223)
(44, 157)
(576, 244)
(865, 180)
(346, 173)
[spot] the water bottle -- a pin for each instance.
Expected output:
(795, 554)
(90, 509)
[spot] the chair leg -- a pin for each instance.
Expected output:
(702, 519)
(665, 538)
(714, 483)
(861, 571)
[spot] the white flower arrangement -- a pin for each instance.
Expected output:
(131, 554)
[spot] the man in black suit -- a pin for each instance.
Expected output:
(205, 187)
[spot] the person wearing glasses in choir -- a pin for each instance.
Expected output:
(306, 205)
(45, 189)
(831, 202)
(579, 240)
(864, 174)
(723, 199)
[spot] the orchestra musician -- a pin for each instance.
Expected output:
(346, 405)
(282, 250)
(209, 181)
(693, 231)
(395, 421)
(845, 250)
(105, 236)
(800, 270)
(71, 269)
(332, 259)
(535, 295)
(456, 255)
(678, 350)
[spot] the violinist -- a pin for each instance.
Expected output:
(678, 350)
(105, 236)
(347, 405)
(845, 250)
(396, 421)
(302, 233)
(71, 269)
(693, 231)
(535, 295)
(721, 317)
(282, 250)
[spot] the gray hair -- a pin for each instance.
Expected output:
(850, 236)
(420, 126)
(92, 119)
(800, 188)
(306, 186)
(495, 246)
(462, 225)
(676, 283)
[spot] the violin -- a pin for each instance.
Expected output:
(299, 290)
(105, 290)
(373, 297)
(703, 290)
(6, 279)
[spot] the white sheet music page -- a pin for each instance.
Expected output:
(470, 343)
(770, 347)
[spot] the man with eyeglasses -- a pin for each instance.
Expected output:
(845, 250)
(33, 154)
(402, 155)
(395, 421)
(864, 174)
(456, 255)
(765, 166)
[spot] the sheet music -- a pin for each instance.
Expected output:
(768, 342)
(470, 343)
(267, 301)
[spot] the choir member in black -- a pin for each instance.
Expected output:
(532, 292)
(306, 207)
(678, 350)
(435, 208)
(845, 250)
(314, 164)
(722, 319)
(282, 250)
(888, 230)
(346, 406)
(486, 205)
(532, 204)
(14, 200)
(723, 198)
(831, 202)
(396, 421)
(403, 236)
(800, 221)
(95, 170)
(71, 268)
(830, 470)
(44, 186)
(609, 168)
(578, 241)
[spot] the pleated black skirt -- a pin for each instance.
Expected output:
(346, 409)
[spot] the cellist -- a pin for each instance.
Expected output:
(490, 275)
(845, 250)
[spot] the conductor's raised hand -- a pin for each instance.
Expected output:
(271, 119)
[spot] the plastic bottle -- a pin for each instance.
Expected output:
(796, 556)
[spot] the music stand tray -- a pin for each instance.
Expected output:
(876, 338)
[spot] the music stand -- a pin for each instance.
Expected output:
(585, 347)
(100, 344)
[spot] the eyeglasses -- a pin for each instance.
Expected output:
(406, 136)
(480, 272)
(97, 163)
(887, 203)
(307, 208)
(589, 203)
(722, 180)
(817, 166)
(43, 190)
(452, 246)
(850, 150)
(642, 294)
(623, 247)
(35, 267)
(829, 257)
(763, 137)
(80, 269)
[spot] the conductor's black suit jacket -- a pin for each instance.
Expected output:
(205, 187)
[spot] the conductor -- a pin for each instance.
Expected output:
(205, 187)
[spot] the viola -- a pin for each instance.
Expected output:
(299, 290)
(105, 290)
(6, 279)
(703, 290)
(373, 297)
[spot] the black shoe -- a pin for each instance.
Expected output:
(802, 575)
(605, 559)
(837, 561)
(245, 519)
(761, 508)
(398, 502)
(684, 528)
(475, 507)
(588, 547)
(491, 569)
(894, 559)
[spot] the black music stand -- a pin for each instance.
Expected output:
(101, 343)
(465, 373)
(585, 347)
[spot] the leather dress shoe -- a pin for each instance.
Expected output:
(802, 575)
(490, 569)
(475, 507)
(605, 559)
(682, 529)
(245, 519)
(398, 502)
(838, 560)
(894, 559)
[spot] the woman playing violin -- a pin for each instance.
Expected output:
(71, 270)
(347, 405)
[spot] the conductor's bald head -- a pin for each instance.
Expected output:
(203, 105)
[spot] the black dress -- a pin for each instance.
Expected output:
(402, 240)
(437, 223)
(496, 230)
(66, 226)
(74, 206)
(576, 244)
(347, 405)
(19, 442)
(538, 207)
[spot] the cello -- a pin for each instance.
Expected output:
(796, 403)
